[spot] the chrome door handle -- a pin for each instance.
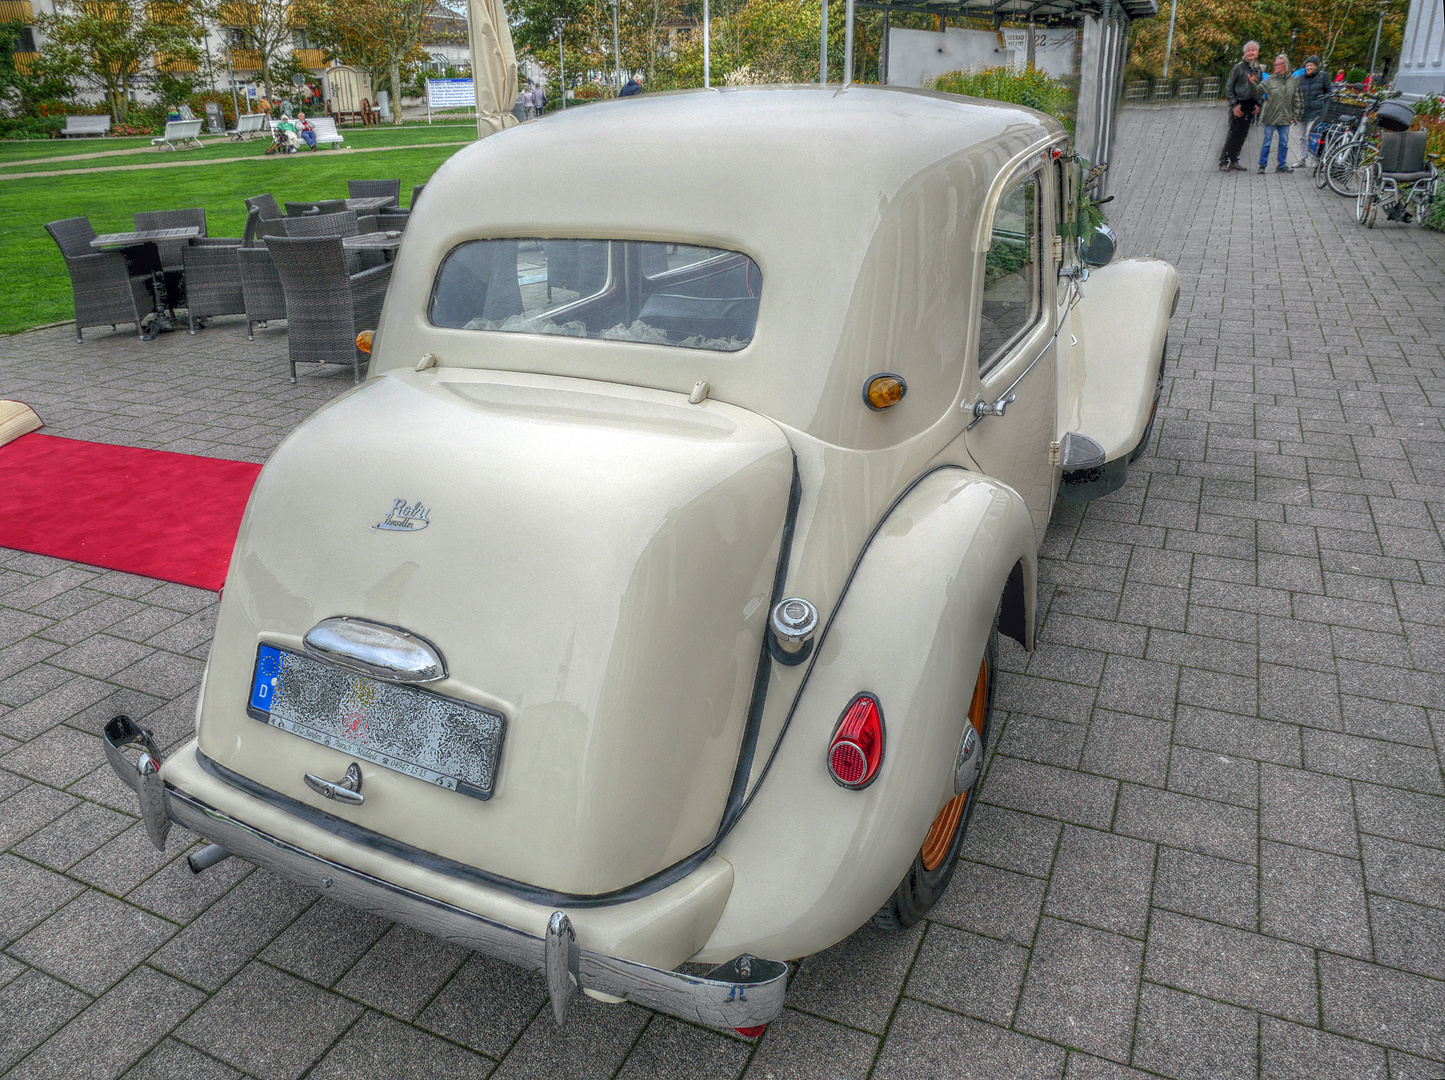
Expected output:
(983, 408)
(346, 790)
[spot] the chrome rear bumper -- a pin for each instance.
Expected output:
(746, 992)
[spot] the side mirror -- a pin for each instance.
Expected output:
(1098, 250)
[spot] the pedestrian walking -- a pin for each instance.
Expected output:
(529, 106)
(1314, 91)
(1281, 109)
(1242, 91)
(539, 98)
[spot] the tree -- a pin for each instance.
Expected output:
(378, 35)
(266, 25)
(112, 45)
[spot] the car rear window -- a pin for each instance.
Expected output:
(683, 295)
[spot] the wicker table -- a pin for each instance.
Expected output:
(162, 320)
(368, 204)
(385, 242)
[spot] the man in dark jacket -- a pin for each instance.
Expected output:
(632, 86)
(1242, 91)
(1314, 90)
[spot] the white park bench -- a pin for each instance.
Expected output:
(180, 131)
(326, 133)
(247, 124)
(86, 125)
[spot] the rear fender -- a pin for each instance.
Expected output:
(1112, 370)
(813, 861)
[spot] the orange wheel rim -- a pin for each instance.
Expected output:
(940, 833)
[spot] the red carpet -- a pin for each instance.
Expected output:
(162, 515)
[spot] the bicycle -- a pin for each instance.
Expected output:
(1343, 118)
(1350, 162)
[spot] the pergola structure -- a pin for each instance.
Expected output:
(1101, 64)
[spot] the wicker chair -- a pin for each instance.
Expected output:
(261, 289)
(368, 189)
(341, 223)
(392, 217)
(266, 204)
(213, 284)
(105, 290)
(172, 219)
(308, 209)
(326, 305)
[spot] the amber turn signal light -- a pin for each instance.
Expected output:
(363, 341)
(883, 390)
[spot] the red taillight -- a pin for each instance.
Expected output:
(752, 1032)
(857, 747)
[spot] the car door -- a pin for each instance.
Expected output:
(1013, 429)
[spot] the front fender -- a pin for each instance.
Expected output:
(813, 861)
(1113, 367)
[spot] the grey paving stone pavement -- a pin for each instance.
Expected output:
(1212, 843)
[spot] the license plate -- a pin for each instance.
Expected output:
(437, 739)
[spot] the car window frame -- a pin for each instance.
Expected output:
(1031, 171)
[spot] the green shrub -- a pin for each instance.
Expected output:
(1032, 89)
(1436, 219)
(31, 127)
(1355, 75)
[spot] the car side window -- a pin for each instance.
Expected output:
(1012, 276)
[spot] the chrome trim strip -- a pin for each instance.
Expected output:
(745, 992)
(384, 652)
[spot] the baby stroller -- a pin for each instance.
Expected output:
(1402, 181)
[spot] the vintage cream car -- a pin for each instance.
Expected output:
(640, 608)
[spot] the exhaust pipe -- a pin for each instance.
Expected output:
(206, 858)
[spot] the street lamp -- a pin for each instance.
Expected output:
(848, 46)
(823, 49)
(1169, 45)
(559, 26)
(706, 45)
(1378, 27)
(616, 50)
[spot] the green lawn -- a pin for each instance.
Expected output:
(39, 287)
(216, 147)
(24, 149)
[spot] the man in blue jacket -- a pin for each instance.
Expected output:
(1314, 91)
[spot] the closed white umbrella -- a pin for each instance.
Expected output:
(494, 65)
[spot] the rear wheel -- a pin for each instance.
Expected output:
(933, 866)
(1364, 200)
(1346, 170)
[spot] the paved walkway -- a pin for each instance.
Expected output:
(1214, 840)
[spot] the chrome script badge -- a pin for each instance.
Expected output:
(404, 518)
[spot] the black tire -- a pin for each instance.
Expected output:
(1346, 170)
(921, 887)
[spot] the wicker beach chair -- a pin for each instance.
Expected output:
(370, 189)
(326, 305)
(105, 290)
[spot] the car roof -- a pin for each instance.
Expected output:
(859, 206)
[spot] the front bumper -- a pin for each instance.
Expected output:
(746, 992)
